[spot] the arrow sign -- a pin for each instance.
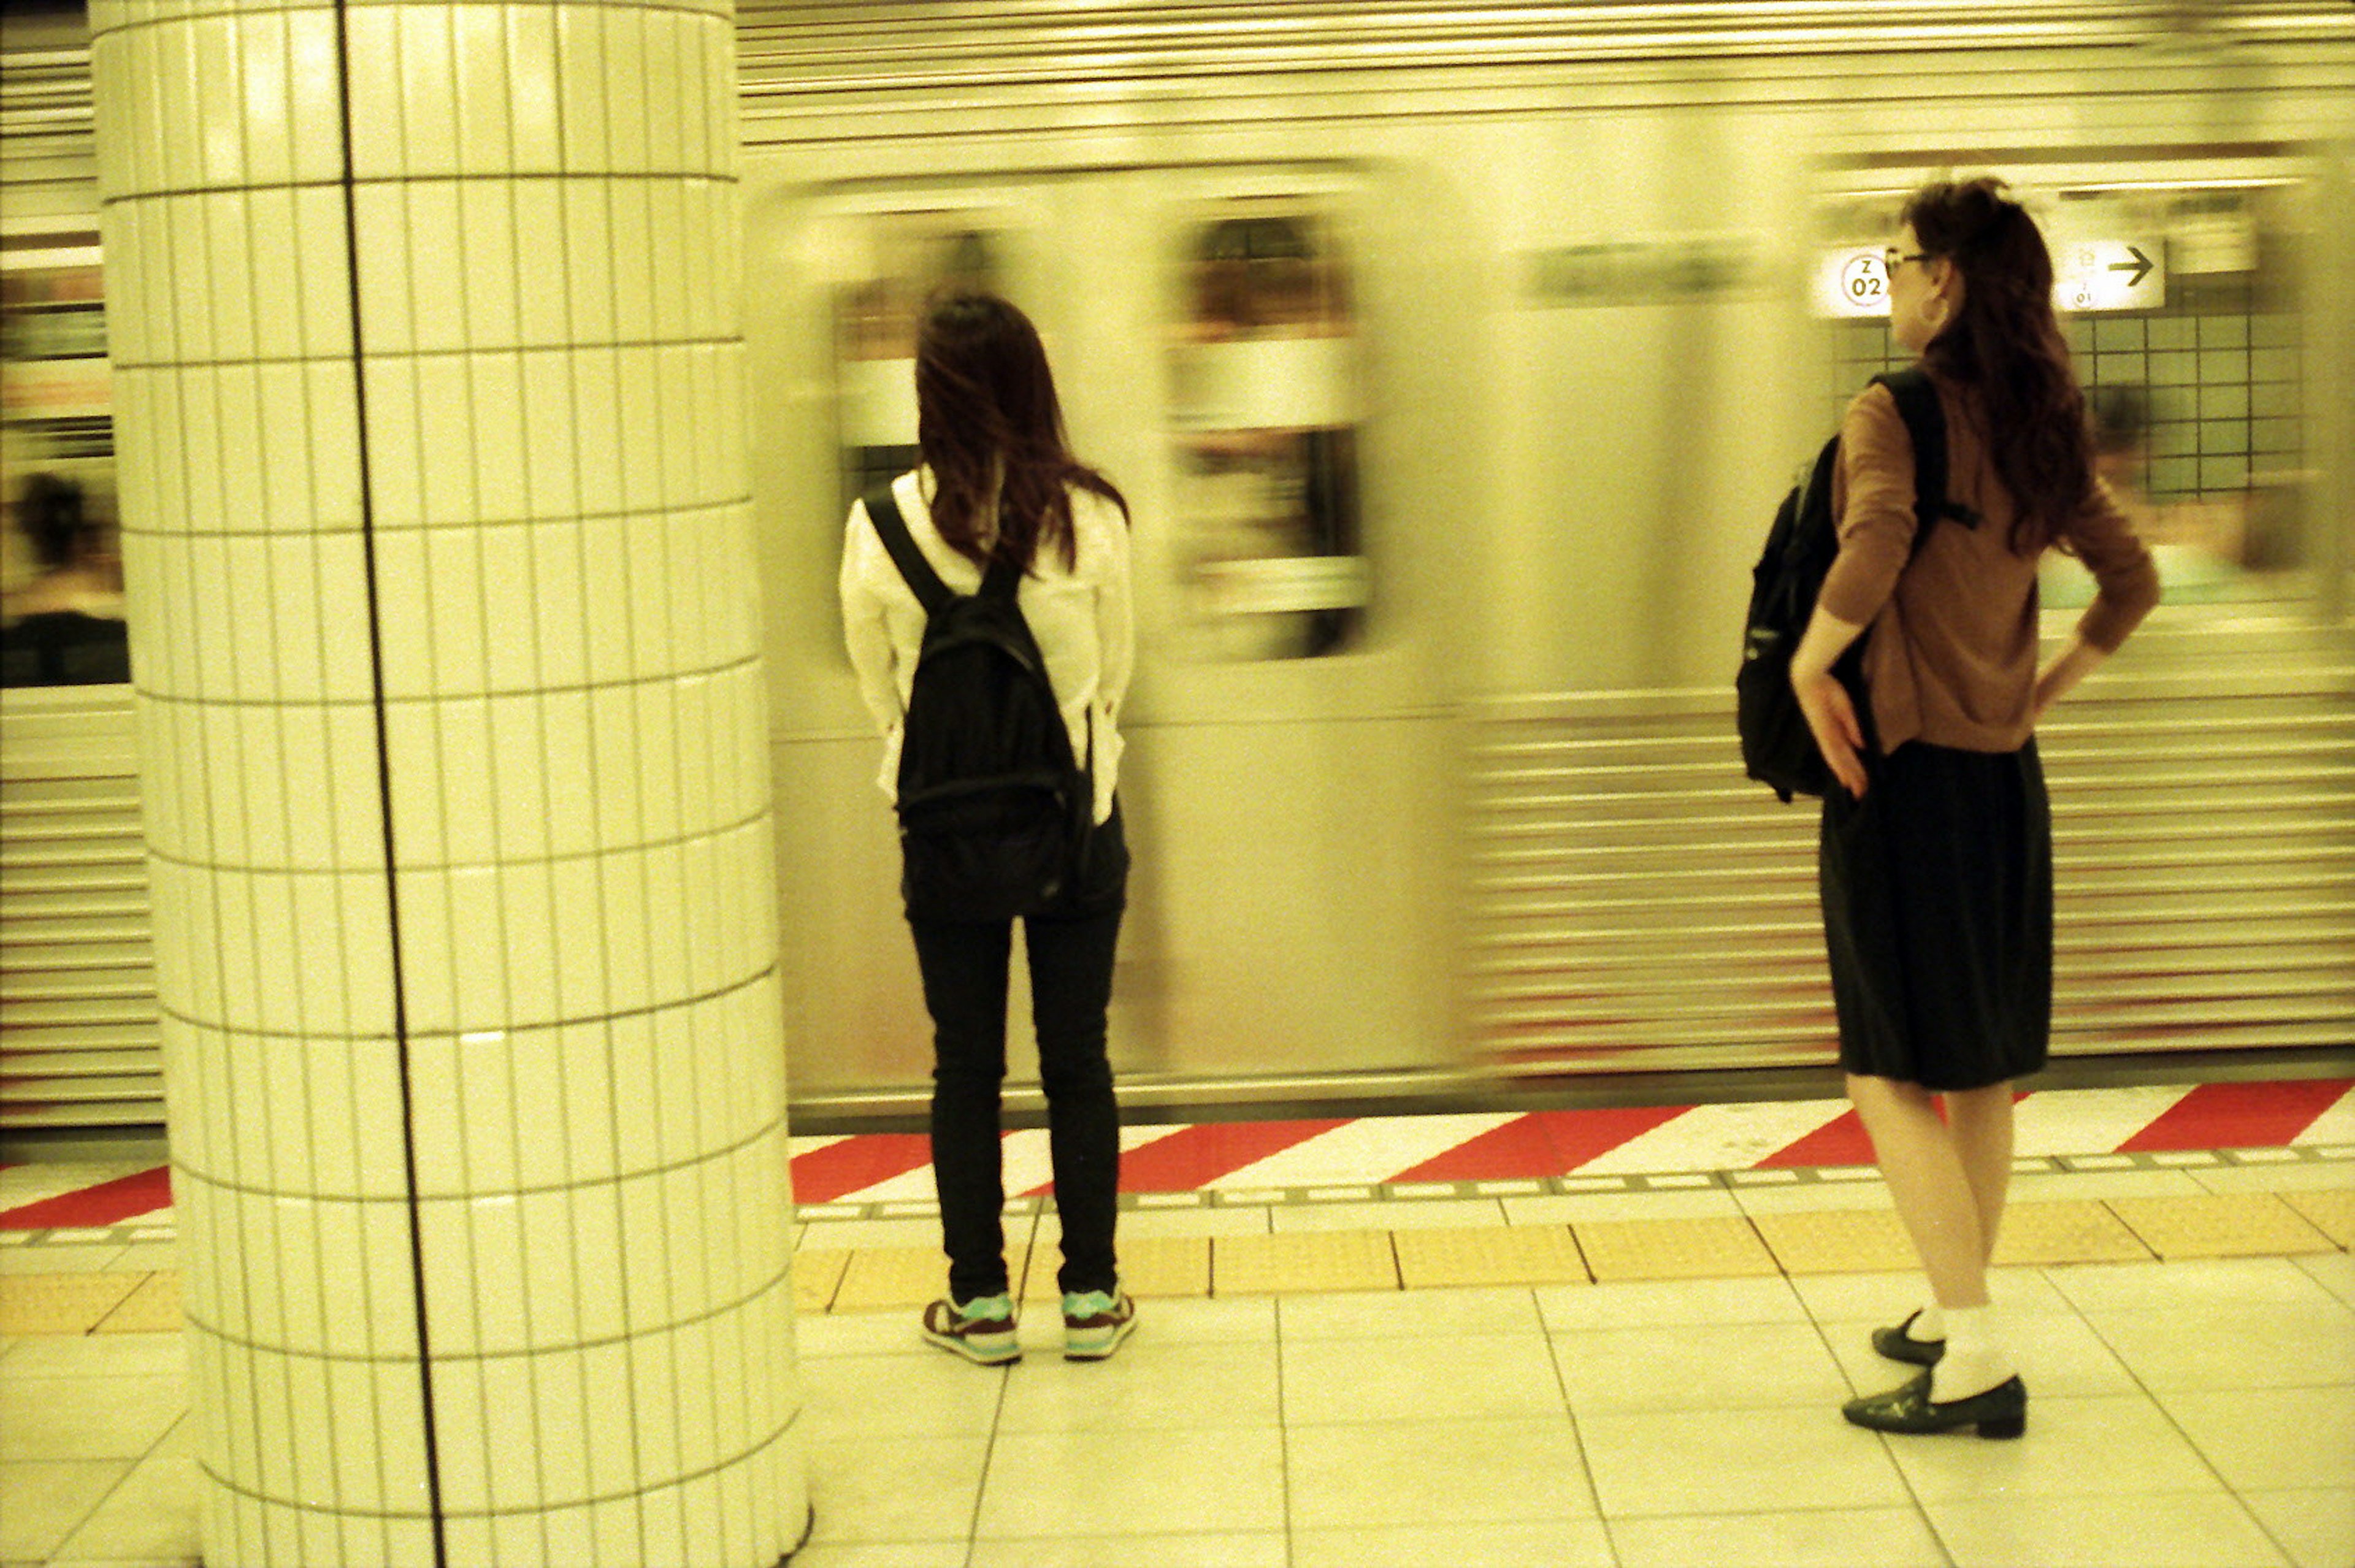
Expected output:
(2108, 274)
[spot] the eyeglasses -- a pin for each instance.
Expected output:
(1890, 258)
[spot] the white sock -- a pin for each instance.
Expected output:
(1930, 1323)
(1975, 1361)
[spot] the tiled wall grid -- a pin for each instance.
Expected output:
(434, 475)
(2223, 379)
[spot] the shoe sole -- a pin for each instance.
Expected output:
(978, 1354)
(1096, 1349)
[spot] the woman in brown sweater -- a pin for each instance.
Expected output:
(1937, 851)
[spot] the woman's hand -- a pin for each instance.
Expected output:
(1832, 716)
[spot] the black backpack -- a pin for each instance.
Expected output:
(1777, 748)
(994, 811)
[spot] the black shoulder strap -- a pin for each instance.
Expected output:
(1925, 422)
(883, 511)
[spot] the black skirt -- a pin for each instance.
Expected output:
(1937, 894)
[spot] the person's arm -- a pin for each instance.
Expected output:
(1115, 616)
(865, 632)
(1830, 711)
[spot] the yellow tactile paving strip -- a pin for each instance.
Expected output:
(1835, 1241)
(61, 1303)
(1301, 1261)
(1806, 1242)
(2221, 1225)
(2332, 1213)
(2084, 1233)
(1673, 1249)
(1495, 1254)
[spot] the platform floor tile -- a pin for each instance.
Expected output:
(61, 1303)
(1489, 1254)
(1712, 1248)
(881, 1278)
(2331, 1213)
(153, 1308)
(1302, 1261)
(1835, 1241)
(2225, 1225)
(818, 1274)
(2065, 1233)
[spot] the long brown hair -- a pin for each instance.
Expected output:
(988, 426)
(2007, 347)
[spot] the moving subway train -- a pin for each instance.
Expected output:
(1452, 358)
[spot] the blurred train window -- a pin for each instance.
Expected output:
(1264, 400)
(2193, 375)
(61, 619)
(907, 257)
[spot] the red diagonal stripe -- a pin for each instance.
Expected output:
(108, 1203)
(2240, 1116)
(825, 1174)
(1207, 1151)
(1840, 1141)
(1543, 1143)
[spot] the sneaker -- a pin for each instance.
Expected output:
(981, 1330)
(1095, 1322)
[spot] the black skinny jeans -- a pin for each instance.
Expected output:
(965, 968)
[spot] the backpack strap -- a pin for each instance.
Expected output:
(1925, 422)
(883, 511)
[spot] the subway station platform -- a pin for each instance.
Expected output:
(1580, 1337)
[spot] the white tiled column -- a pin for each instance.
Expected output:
(433, 464)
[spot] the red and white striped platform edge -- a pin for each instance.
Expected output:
(1235, 1158)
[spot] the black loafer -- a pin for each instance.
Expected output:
(2000, 1411)
(1900, 1346)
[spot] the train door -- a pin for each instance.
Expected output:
(1286, 759)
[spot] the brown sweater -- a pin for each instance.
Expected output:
(1952, 655)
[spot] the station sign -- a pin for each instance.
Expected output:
(2088, 275)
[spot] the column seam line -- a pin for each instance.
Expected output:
(363, 459)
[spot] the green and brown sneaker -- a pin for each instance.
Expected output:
(1095, 1322)
(981, 1330)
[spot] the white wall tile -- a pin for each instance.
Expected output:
(332, 443)
(427, 956)
(219, 125)
(309, 842)
(635, 1069)
(628, 86)
(445, 426)
(616, 763)
(587, 258)
(589, 1118)
(461, 786)
(388, 1298)
(598, 1304)
(480, 960)
(143, 98)
(261, 787)
(199, 433)
(350, 1407)
(486, 129)
(405, 609)
(612, 1460)
(356, 796)
(571, 789)
(580, 82)
(396, 459)
(243, 616)
(268, 107)
(175, 82)
(437, 264)
(529, 896)
(365, 936)
(502, 487)
(379, 234)
(228, 277)
(429, 89)
(315, 81)
(532, 89)
(454, 568)
(642, 431)
(519, 809)
(583, 968)
(543, 319)
(461, 1424)
(412, 769)
(599, 393)
(550, 443)
(670, 44)
(633, 261)
(495, 1225)
(323, 241)
(281, 452)
(299, 671)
